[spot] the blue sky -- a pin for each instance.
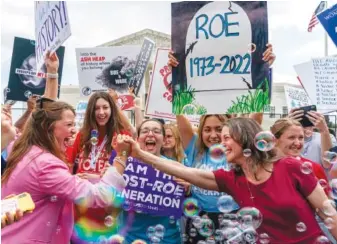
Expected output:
(94, 23)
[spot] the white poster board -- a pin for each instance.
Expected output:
(159, 99)
(100, 68)
(296, 97)
(52, 28)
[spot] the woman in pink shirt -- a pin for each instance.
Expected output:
(36, 164)
(284, 195)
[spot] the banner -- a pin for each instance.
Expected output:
(100, 68)
(296, 97)
(328, 19)
(24, 81)
(141, 65)
(219, 46)
(150, 191)
(159, 98)
(52, 28)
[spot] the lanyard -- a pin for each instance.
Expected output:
(95, 153)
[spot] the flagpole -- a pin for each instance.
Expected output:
(326, 51)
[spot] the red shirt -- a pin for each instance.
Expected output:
(319, 173)
(281, 200)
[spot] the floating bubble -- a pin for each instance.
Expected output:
(247, 221)
(219, 235)
(193, 232)
(225, 223)
(48, 224)
(150, 231)
(217, 153)
(329, 208)
(139, 242)
(102, 240)
(207, 227)
(191, 207)
(53, 198)
(155, 240)
(330, 157)
(333, 185)
(264, 238)
(172, 220)
(301, 227)
(159, 231)
(189, 109)
(184, 237)
(108, 221)
(28, 94)
(306, 168)
(322, 240)
(58, 229)
(233, 235)
(264, 141)
(116, 239)
(201, 242)
(225, 204)
(196, 221)
(323, 183)
(210, 240)
(250, 235)
(247, 153)
(251, 47)
(329, 223)
(254, 213)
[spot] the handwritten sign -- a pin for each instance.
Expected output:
(52, 28)
(150, 191)
(219, 46)
(141, 65)
(107, 67)
(296, 97)
(24, 81)
(159, 99)
(325, 74)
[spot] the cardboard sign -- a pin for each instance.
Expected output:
(219, 46)
(52, 28)
(328, 19)
(159, 99)
(24, 81)
(150, 191)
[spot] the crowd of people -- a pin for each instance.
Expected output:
(283, 191)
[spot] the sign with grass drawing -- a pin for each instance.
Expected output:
(219, 47)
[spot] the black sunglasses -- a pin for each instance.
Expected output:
(43, 100)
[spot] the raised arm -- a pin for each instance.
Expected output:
(201, 178)
(186, 130)
(52, 64)
(31, 103)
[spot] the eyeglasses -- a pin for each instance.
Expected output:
(155, 131)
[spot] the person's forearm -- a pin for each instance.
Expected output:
(51, 89)
(119, 162)
(139, 117)
(126, 123)
(326, 144)
(22, 120)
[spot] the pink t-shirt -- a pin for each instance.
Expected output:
(281, 200)
(53, 190)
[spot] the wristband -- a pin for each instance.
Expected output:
(52, 76)
(120, 161)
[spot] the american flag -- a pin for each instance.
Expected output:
(314, 21)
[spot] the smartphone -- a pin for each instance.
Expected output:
(23, 201)
(305, 122)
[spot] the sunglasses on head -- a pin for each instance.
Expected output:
(43, 101)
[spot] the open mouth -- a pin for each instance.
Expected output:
(150, 145)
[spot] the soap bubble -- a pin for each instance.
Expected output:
(264, 141)
(217, 153)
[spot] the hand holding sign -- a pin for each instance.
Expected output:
(52, 63)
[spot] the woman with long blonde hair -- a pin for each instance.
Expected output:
(173, 147)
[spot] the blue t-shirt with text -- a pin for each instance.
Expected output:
(207, 199)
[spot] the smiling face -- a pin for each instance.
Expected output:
(291, 141)
(169, 141)
(233, 149)
(211, 131)
(151, 137)
(102, 112)
(64, 128)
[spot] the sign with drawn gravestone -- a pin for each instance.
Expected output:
(219, 46)
(24, 81)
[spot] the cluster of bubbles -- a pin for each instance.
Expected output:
(155, 233)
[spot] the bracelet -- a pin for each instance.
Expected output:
(120, 161)
(52, 76)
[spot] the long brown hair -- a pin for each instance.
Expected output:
(201, 147)
(178, 151)
(38, 132)
(281, 125)
(114, 124)
(243, 131)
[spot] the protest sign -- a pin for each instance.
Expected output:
(159, 99)
(101, 68)
(52, 28)
(24, 81)
(328, 19)
(141, 65)
(296, 97)
(219, 46)
(319, 79)
(150, 191)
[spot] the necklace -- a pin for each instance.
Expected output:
(250, 192)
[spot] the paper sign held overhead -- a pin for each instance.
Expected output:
(52, 28)
(296, 97)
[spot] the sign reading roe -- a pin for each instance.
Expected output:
(219, 46)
